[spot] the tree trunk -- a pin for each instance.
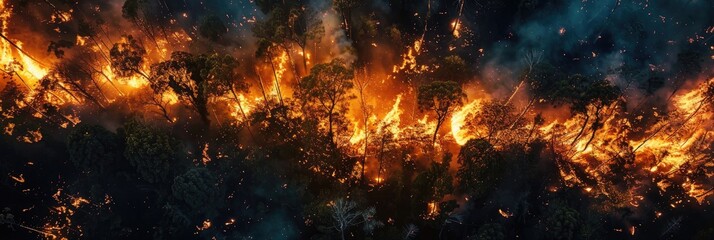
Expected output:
(595, 127)
(582, 129)
(292, 64)
(439, 121)
(275, 76)
(304, 58)
(330, 134)
(245, 117)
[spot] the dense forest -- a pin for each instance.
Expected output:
(356, 119)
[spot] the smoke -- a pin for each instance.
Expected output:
(336, 42)
(594, 37)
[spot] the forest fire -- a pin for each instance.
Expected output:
(352, 120)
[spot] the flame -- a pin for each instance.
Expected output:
(19, 179)
(31, 67)
(409, 61)
(81, 41)
(378, 180)
(391, 120)
(169, 97)
(432, 209)
(504, 213)
(458, 120)
(5, 47)
(205, 225)
(456, 25)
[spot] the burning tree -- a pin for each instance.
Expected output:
(326, 92)
(197, 78)
(126, 57)
(442, 97)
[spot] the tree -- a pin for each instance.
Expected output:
(562, 222)
(196, 78)
(327, 91)
(79, 79)
(265, 51)
(498, 121)
(198, 189)
(410, 232)
(453, 68)
(362, 81)
(132, 10)
(305, 26)
(346, 215)
(126, 57)
(213, 28)
(480, 167)
(72, 80)
(591, 95)
(434, 183)
(489, 231)
(547, 83)
(92, 148)
(442, 97)
(344, 7)
(150, 151)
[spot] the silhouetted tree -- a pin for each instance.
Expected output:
(327, 91)
(196, 78)
(345, 215)
(453, 68)
(92, 148)
(481, 167)
(213, 28)
(442, 97)
(127, 56)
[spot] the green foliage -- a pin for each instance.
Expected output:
(436, 182)
(92, 148)
(440, 96)
(213, 28)
(326, 91)
(150, 151)
(561, 222)
(126, 57)
(275, 28)
(453, 68)
(199, 189)
(548, 83)
(489, 231)
(481, 167)
(591, 92)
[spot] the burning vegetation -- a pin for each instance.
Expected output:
(347, 119)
